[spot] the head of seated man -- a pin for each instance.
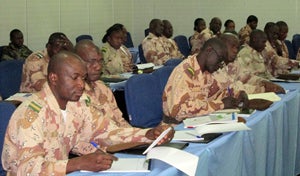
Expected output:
(57, 42)
(156, 27)
(232, 42)
(258, 40)
(213, 55)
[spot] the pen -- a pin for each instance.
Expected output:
(197, 136)
(229, 91)
(233, 116)
(97, 146)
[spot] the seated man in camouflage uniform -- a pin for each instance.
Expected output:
(35, 67)
(16, 49)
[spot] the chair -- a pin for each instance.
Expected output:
(146, 32)
(173, 62)
(183, 44)
(141, 54)
(85, 36)
(10, 77)
(1, 51)
(6, 110)
(162, 75)
(129, 43)
(296, 42)
(289, 45)
(143, 100)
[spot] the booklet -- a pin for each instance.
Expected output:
(271, 96)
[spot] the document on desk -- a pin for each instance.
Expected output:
(172, 156)
(216, 117)
(128, 165)
(221, 128)
(271, 96)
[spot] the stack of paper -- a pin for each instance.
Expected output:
(271, 96)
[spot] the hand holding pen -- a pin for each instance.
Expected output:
(97, 161)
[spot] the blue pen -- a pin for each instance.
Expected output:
(197, 136)
(229, 91)
(97, 146)
(233, 116)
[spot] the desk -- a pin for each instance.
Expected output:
(271, 148)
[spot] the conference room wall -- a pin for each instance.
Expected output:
(39, 18)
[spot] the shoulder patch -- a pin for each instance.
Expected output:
(103, 49)
(31, 114)
(34, 106)
(39, 55)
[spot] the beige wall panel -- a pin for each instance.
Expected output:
(101, 16)
(43, 19)
(74, 19)
(12, 15)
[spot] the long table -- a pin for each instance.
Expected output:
(271, 148)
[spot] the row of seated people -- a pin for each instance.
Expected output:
(195, 81)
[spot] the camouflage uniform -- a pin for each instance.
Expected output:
(105, 101)
(173, 48)
(34, 71)
(240, 78)
(254, 62)
(10, 52)
(198, 39)
(244, 34)
(116, 61)
(155, 49)
(284, 49)
(190, 92)
(39, 137)
(276, 64)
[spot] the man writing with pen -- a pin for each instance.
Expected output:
(53, 122)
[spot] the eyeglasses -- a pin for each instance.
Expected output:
(221, 62)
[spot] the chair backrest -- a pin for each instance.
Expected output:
(1, 50)
(183, 44)
(296, 42)
(141, 54)
(162, 75)
(146, 32)
(143, 100)
(84, 36)
(289, 45)
(173, 62)
(143, 96)
(6, 110)
(129, 43)
(10, 77)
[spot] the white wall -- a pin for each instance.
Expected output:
(37, 19)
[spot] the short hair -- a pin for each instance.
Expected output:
(196, 23)
(256, 33)
(227, 22)
(268, 26)
(252, 18)
(281, 24)
(114, 28)
(13, 32)
(215, 43)
(58, 61)
(55, 36)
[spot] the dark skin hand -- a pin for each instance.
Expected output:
(97, 161)
(240, 102)
(271, 87)
(155, 132)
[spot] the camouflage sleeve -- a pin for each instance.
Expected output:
(181, 99)
(23, 152)
(154, 51)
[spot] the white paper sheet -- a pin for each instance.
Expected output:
(172, 156)
(267, 96)
(186, 135)
(220, 128)
(128, 165)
